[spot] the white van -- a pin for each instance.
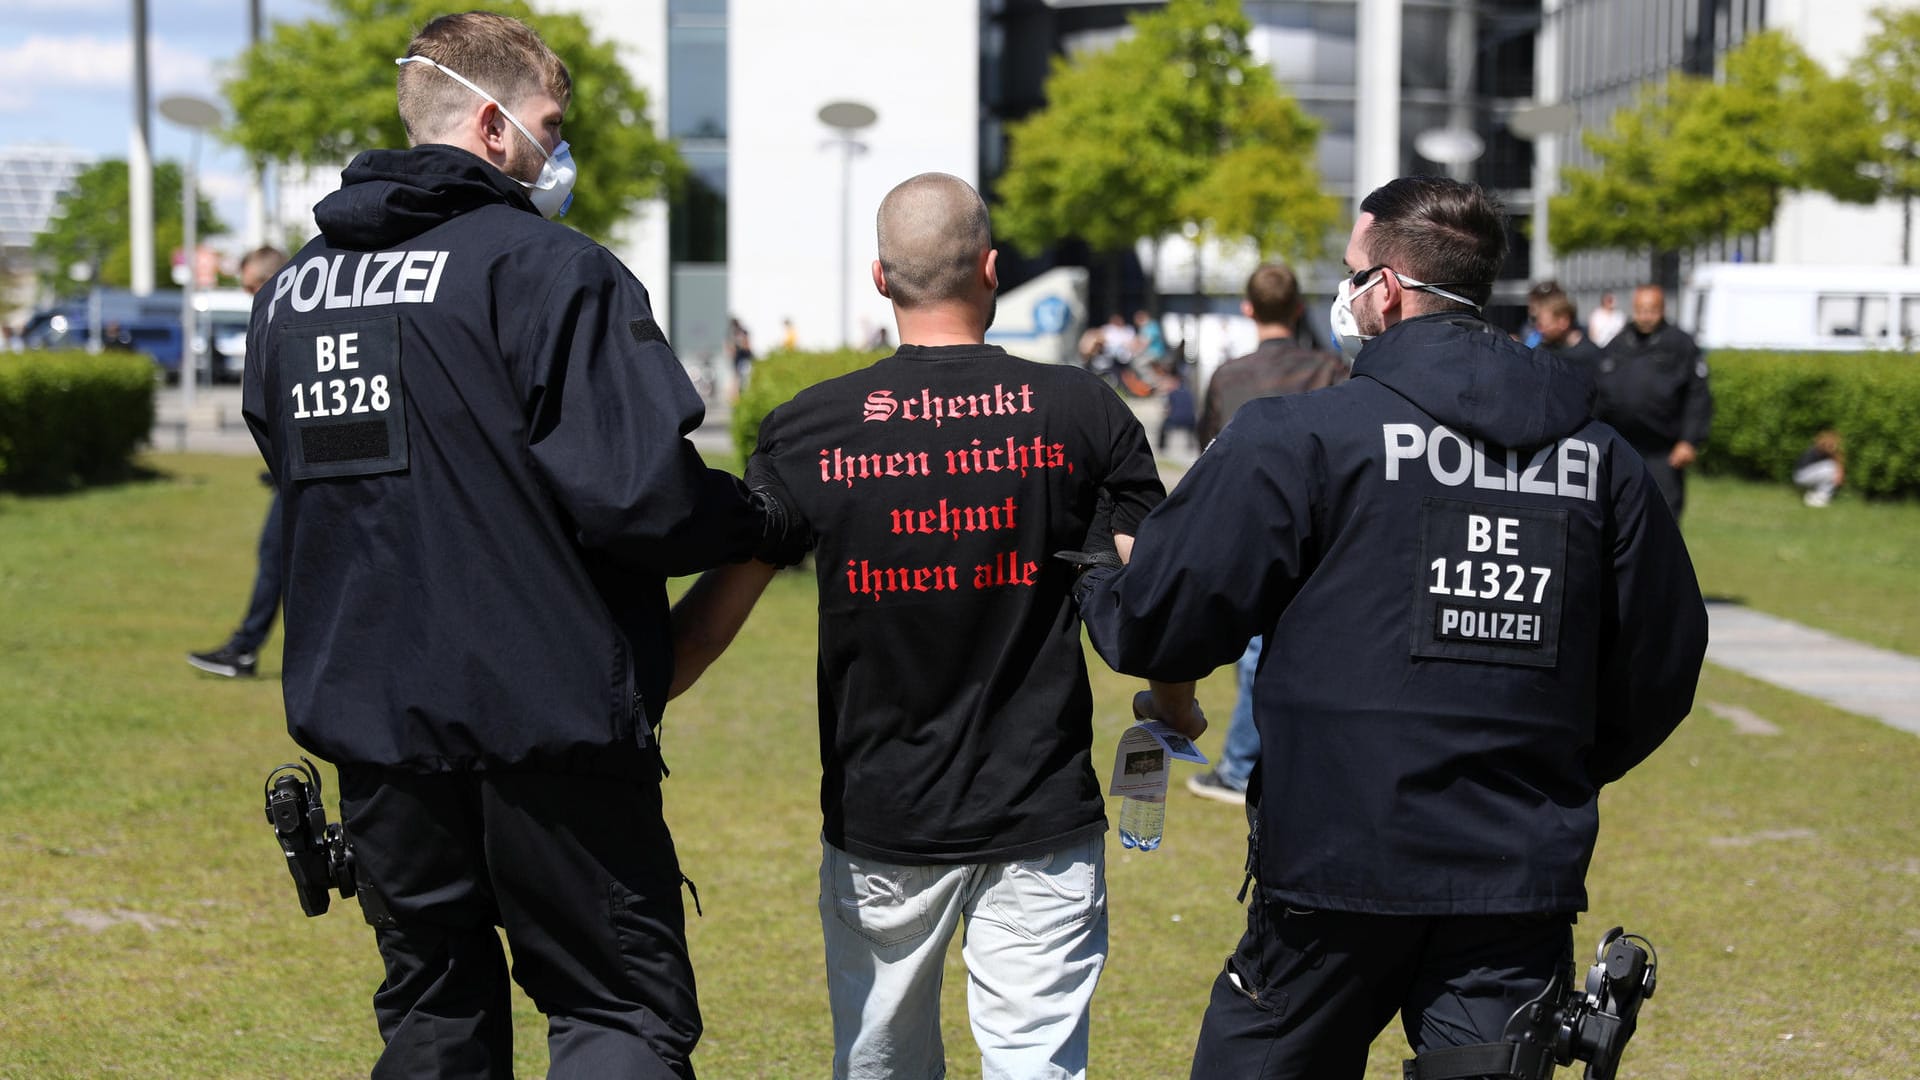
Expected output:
(1780, 306)
(220, 320)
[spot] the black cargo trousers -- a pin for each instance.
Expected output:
(578, 869)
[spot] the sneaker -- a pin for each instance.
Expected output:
(225, 660)
(1209, 785)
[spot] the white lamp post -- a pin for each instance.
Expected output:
(196, 114)
(845, 118)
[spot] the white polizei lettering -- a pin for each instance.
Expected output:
(433, 283)
(282, 284)
(1404, 443)
(416, 268)
(1573, 467)
(334, 299)
(1456, 476)
(1481, 478)
(1449, 620)
(1530, 481)
(359, 280)
(302, 299)
(384, 262)
(1593, 474)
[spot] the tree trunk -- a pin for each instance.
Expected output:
(1153, 277)
(1906, 230)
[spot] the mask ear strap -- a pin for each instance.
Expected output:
(464, 81)
(1435, 290)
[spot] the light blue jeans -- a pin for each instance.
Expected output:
(1242, 747)
(1035, 943)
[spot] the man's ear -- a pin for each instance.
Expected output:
(880, 279)
(1246, 308)
(990, 269)
(1391, 294)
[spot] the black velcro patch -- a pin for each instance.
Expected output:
(646, 330)
(356, 441)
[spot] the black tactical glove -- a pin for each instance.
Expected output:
(1098, 558)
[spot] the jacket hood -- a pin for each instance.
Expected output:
(1478, 381)
(388, 197)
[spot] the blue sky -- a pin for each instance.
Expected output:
(66, 76)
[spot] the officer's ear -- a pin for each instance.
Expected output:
(880, 279)
(990, 270)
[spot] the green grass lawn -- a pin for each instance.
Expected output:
(147, 927)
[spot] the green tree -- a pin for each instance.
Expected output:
(90, 224)
(1694, 160)
(1889, 76)
(320, 91)
(1177, 124)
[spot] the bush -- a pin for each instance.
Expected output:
(70, 418)
(1769, 406)
(780, 375)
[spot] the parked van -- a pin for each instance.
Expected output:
(1783, 306)
(151, 323)
(221, 326)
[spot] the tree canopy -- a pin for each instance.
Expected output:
(1177, 124)
(1889, 75)
(91, 223)
(1695, 159)
(318, 92)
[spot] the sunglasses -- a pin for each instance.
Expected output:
(1359, 278)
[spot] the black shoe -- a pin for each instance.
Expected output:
(1208, 785)
(225, 660)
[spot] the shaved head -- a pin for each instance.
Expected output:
(933, 231)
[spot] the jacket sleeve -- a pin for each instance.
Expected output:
(1215, 563)
(1656, 631)
(609, 409)
(1696, 416)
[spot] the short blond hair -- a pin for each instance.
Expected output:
(502, 56)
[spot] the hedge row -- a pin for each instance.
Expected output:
(1769, 406)
(778, 376)
(70, 418)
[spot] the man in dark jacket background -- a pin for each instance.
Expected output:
(478, 429)
(1652, 384)
(1477, 612)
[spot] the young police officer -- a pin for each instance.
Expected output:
(478, 429)
(1477, 610)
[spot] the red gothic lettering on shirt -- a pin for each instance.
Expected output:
(881, 405)
(1007, 568)
(838, 465)
(1015, 456)
(866, 579)
(949, 520)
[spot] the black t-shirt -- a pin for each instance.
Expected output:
(955, 715)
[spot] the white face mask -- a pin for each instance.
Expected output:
(552, 191)
(1345, 327)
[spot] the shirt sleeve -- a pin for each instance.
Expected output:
(1215, 563)
(609, 410)
(1696, 418)
(1656, 633)
(1133, 477)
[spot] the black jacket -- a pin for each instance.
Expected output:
(479, 430)
(1477, 611)
(1653, 388)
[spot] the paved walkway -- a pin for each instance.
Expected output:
(1858, 678)
(1846, 674)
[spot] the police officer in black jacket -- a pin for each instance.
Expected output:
(1652, 384)
(1477, 612)
(479, 430)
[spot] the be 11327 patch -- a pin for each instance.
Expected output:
(1490, 583)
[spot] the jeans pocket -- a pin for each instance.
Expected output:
(1267, 958)
(882, 904)
(1046, 894)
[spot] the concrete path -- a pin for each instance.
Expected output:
(1858, 678)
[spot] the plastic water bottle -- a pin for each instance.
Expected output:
(1143, 820)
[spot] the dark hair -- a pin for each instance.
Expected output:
(1440, 231)
(1274, 294)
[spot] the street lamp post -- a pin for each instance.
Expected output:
(196, 115)
(845, 118)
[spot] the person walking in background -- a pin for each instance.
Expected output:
(740, 343)
(1560, 332)
(956, 733)
(789, 337)
(1279, 364)
(239, 658)
(1651, 385)
(1606, 322)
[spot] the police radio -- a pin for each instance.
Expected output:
(319, 855)
(1562, 1025)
